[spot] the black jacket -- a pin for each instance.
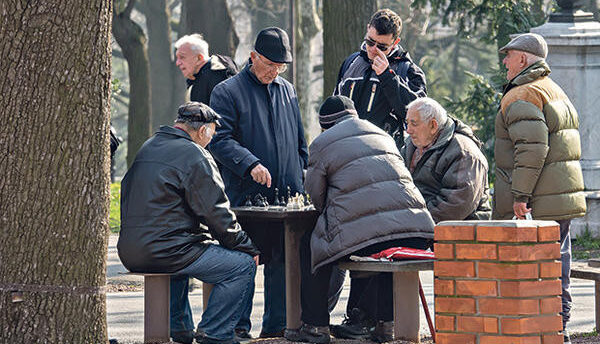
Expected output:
(170, 198)
(388, 93)
(217, 69)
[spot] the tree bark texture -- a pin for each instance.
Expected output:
(308, 25)
(344, 27)
(132, 41)
(167, 83)
(54, 189)
(211, 18)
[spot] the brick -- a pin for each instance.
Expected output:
(549, 233)
(550, 269)
(507, 270)
(454, 338)
(476, 288)
(454, 233)
(550, 305)
(509, 306)
(552, 339)
(476, 324)
(444, 323)
(531, 325)
(458, 305)
(443, 251)
(530, 288)
(507, 234)
(509, 340)
(443, 287)
(453, 269)
(476, 251)
(522, 253)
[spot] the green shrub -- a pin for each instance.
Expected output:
(115, 207)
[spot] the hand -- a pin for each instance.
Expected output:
(261, 175)
(380, 63)
(255, 258)
(520, 209)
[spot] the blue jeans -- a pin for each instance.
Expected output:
(232, 275)
(274, 283)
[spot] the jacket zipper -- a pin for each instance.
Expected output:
(352, 89)
(373, 89)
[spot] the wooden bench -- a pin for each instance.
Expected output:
(589, 272)
(406, 292)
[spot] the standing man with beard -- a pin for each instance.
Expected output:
(261, 146)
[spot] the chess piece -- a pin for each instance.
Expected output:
(257, 200)
(248, 201)
(289, 194)
(276, 202)
(306, 201)
(282, 201)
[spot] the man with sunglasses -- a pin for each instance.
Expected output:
(261, 146)
(381, 78)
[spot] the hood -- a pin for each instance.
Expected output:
(453, 126)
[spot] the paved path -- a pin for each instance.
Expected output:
(125, 309)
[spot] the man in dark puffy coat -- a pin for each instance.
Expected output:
(172, 197)
(357, 180)
(381, 78)
(446, 163)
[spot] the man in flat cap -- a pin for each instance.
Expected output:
(261, 146)
(172, 203)
(537, 149)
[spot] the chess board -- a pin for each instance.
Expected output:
(275, 208)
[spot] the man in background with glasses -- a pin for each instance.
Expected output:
(261, 146)
(381, 79)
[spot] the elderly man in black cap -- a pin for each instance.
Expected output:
(261, 147)
(537, 149)
(172, 204)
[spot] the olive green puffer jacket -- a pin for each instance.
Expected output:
(537, 149)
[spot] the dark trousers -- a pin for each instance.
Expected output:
(374, 295)
(315, 287)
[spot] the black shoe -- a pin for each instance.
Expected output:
(264, 334)
(354, 326)
(309, 334)
(183, 337)
(566, 338)
(242, 335)
(201, 338)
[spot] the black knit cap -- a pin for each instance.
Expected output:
(274, 44)
(334, 108)
(198, 112)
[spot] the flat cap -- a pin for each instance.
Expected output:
(528, 42)
(274, 44)
(198, 112)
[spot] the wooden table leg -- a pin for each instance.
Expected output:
(206, 289)
(406, 306)
(156, 309)
(292, 276)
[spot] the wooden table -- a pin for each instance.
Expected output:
(295, 223)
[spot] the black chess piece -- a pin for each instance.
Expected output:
(306, 201)
(257, 200)
(276, 202)
(248, 201)
(265, 201)
(282, 202)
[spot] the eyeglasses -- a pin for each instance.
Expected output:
(370, 42)
(279, 67)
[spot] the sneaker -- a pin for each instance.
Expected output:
(383, 332)
(183, 337)
(202, 338)
(309, 334)
(566, 338)
(242, 335)
(354, 326)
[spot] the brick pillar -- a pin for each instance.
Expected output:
(497, 282)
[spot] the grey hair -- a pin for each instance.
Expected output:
(194, 125)
(429, 109)
(196, 42)
(531, 58)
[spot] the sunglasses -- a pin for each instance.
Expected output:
(380, 46)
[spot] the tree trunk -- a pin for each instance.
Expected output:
(54, 194)
(167, 83)
(307, 27)
(344, 27)
(132, 41)
(211, 18)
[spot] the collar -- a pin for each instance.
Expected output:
(202, 70)
(173, 131)
(531, 73)
(251, 76)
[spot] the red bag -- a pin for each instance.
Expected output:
(399, 253)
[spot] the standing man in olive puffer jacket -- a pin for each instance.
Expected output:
(537, 149)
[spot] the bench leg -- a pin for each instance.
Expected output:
(206, 289)
(597, 296)
(156, 309)
(406, 306)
